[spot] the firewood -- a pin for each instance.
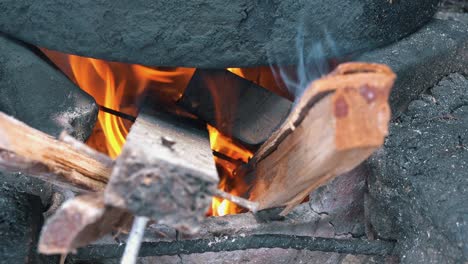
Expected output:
(235, 106)
(71, 165)
(338, 122)
(69, 174)
(165, 172)
(80, 221)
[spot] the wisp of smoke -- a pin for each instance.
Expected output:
(312, 63)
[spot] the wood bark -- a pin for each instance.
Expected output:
(166, 171)
(338, 122)
(66, 162)
(235, 106)
(80, 221)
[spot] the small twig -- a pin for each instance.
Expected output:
(132, 248)
(117, 113)
(252, 206)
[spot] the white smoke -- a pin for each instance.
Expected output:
(312, 62)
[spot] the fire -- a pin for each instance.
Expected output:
(121, 86)
(227, 146)
(222, 207)
(228, 182)
(236, 71)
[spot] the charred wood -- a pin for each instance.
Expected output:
(166, 171)
(235, 106)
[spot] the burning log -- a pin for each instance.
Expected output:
(235, 106)
(166, 171)
(67, 162)
(79, 222)
(338, 122)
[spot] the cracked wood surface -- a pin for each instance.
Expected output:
(338, 122)
(166, 170)
(31, 151)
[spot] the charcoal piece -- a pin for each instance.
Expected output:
(38, 94)
(207, 33)
(418, 187)
(422, 59)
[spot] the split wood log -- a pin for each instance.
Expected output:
(166, 171)
(67, 162)
(80, 221)
(235, 106)
(338, 122)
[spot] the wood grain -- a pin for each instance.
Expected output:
(338, 122)
(166, 170)
(29, 150)
(80, 221)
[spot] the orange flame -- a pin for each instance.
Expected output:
(227, 146)
(120, 86)
(228, 182)
(220, 206)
